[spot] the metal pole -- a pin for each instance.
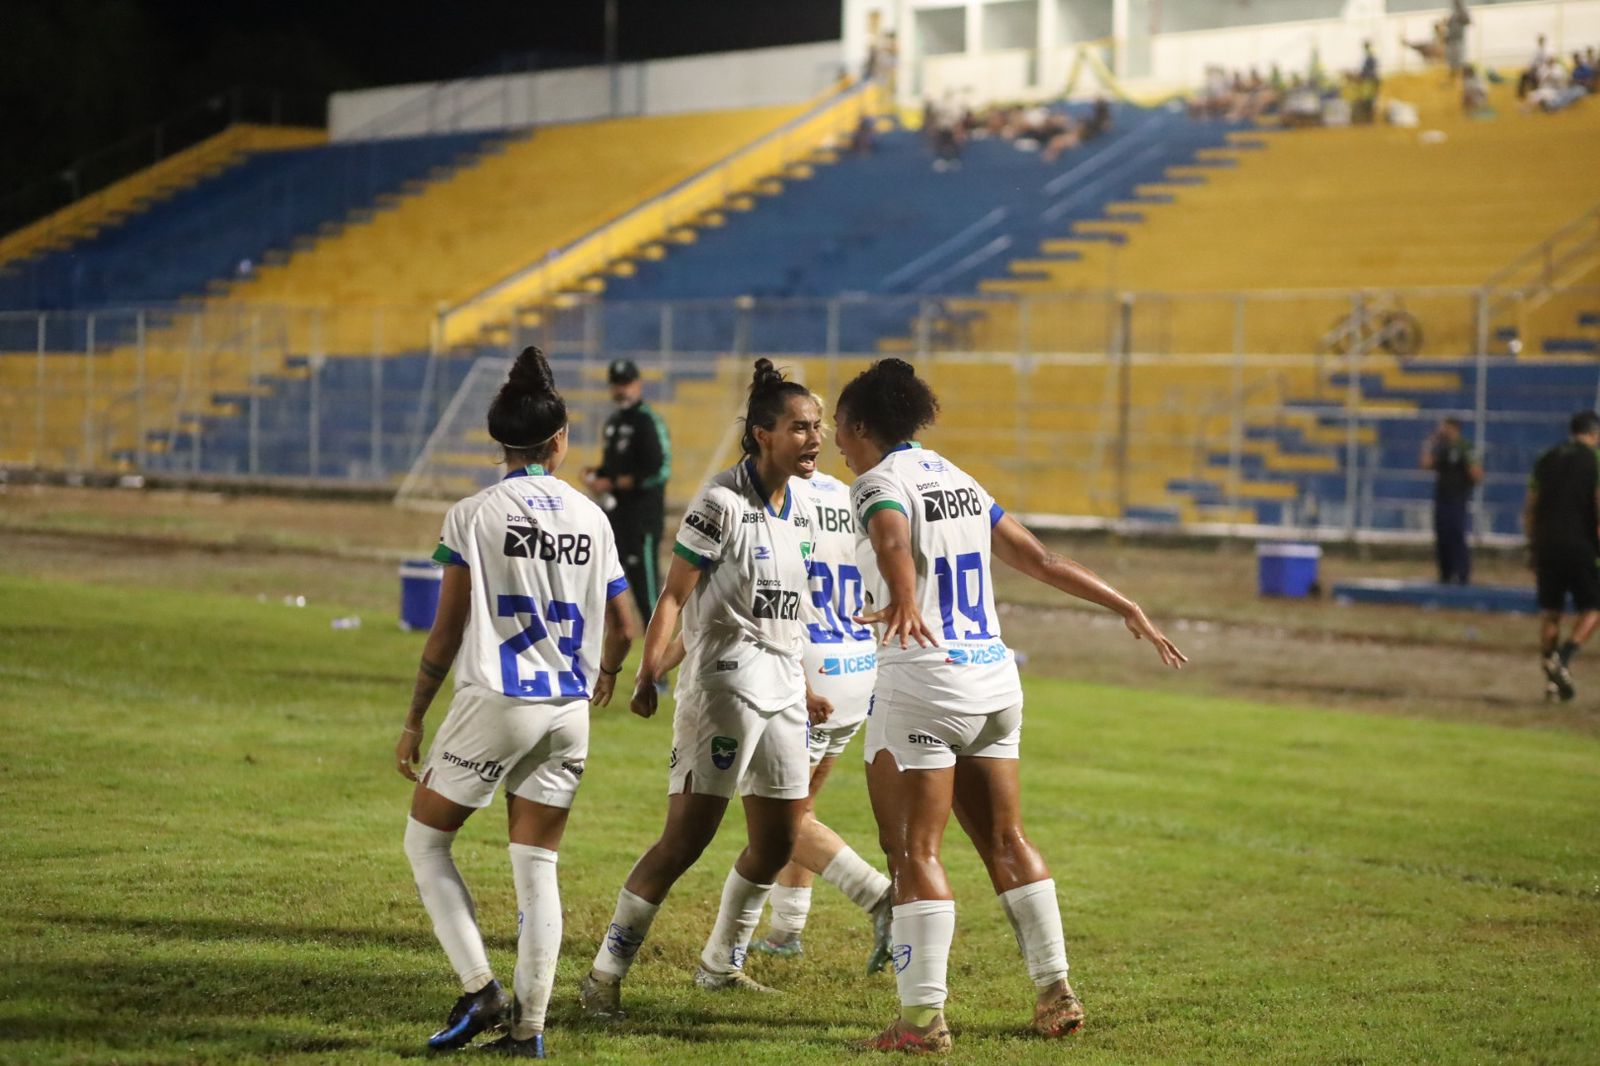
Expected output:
(88, 396)
(1480, 409)
(38, 407)
(1352, 404)
(1124, 398)
(377, 394)
(315, 428)
(667, 341)
(139, 399)
(1019, 416)
(255, 400)
(1236, 408)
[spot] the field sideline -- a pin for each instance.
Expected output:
(202, 864)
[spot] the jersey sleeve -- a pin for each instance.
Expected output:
(453, 538)
(706, 528)
(874, 492)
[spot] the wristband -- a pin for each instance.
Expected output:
(610, 673)
(408, 729)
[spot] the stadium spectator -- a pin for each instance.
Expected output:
(947, 708)
(737, 578)
(1455, 36)
(1535, 71)
(1474, 91)
(524, 552)
(1369, 64)
(1583, 72)
(634, 468)
(1561, 518)
(1456, 471)
(1554, 90)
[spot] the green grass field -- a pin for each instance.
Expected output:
(201, 862)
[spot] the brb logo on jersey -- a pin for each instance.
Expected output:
(938, 504)
(989, 653)
(835, 520)
(531, 542)
(723, 750)
(857, 664)
(776, 604)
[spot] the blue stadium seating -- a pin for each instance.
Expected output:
(202, 233)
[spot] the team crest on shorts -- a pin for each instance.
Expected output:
(723, 749)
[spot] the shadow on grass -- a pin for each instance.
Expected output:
(222, 929)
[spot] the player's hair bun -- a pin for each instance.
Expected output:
(532, 371)
(893, 367)
(528, 411)
(769, 393)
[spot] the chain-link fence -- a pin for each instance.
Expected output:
(1306, 409)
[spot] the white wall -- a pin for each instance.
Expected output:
(753, 78)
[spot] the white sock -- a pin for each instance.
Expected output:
(736, 919)
(790, 906)
(1036, 919)
(850, 874)
(922, 934)
(630, 922)
(538, 935)
(448, 903)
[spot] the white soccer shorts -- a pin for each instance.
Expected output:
(926, 738)
(536, 748)
(728, 746)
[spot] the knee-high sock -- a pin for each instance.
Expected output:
(790, 906)
(736, 919)
(851, 874)
(538, 935)
(630, 923)
(1036, 919)
(922, 934)
(448, 903)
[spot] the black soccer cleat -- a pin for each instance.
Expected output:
(474, 1013)
(1557, 674)
(511, 1047)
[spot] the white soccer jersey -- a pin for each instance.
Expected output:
(543, 565)
(840, 654)
(971, 671)
(742, 627)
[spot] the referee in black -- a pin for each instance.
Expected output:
(634, 468)
(1562, 520)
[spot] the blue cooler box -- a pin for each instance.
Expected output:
(1287, 569)
(419, 593)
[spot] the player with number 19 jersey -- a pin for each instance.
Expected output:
(971, 671)
(536, 547)
(840, 653)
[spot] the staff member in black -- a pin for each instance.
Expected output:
(634, 468)
(1456, 471)
(1562, 520)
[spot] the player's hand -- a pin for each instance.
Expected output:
(818, 709)
(645, 696)
(601, 485)
(408, 751)
(900, 621)
(604, 686)
(1144, 629)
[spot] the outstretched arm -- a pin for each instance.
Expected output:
(1013, 545)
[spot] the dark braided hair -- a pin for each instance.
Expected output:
(528, 411)
(890, 400)
(769, 395)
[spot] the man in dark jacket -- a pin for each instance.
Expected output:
(1562, 520)
(633, 471)
(1456, 471)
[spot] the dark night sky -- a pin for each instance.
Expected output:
(78, 75)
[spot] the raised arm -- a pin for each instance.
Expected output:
(682, 576)
(890, 533)
(438, 654)
(1019, 549)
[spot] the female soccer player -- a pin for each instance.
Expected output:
(840, 663)
(737, 578)
(530, 567)
(947, 704)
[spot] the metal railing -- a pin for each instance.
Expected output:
(1177, 408)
